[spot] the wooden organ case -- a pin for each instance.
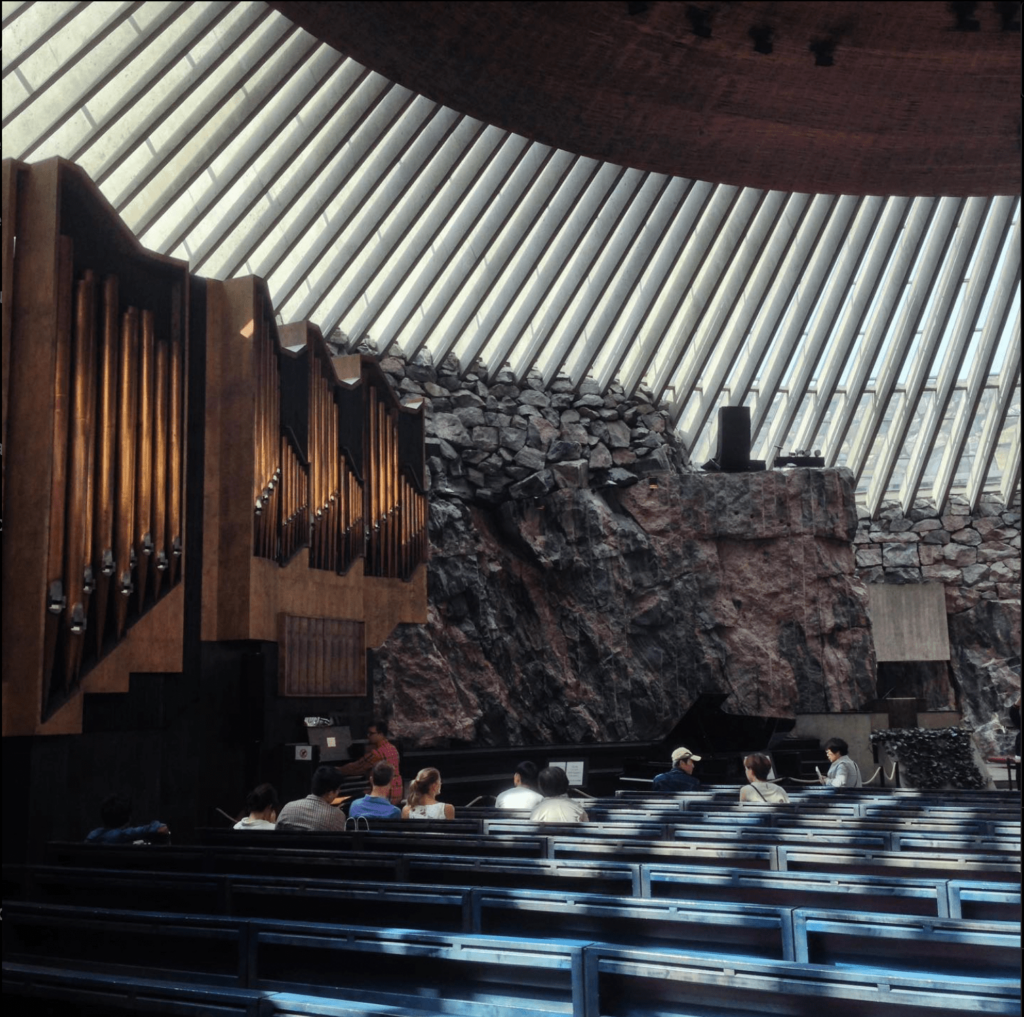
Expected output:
(313, 514)
(94, 471)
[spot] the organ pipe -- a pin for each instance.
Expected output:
(127, 416)
(144, 457)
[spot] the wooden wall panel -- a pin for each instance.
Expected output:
(321, 657)
(909, 621)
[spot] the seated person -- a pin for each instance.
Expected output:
(314, 812)
(523, 793)
(843, 772)
(379, 750)
(423, 792)
(116, 811)
(262, 805)
(759, 791)
(376, 805)
(557, 806)
(680, 777)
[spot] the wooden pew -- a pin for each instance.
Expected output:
(476, 976)
(942, 946)
(622, 982)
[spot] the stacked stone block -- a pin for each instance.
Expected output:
(490, 439)
(976, 556)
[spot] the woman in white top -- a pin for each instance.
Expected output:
(759, 791)
(422, 801)
(262, 805)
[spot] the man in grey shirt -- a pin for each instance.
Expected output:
(314, 812)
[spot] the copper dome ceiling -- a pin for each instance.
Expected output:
(919, 99)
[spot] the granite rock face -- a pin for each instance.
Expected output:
(985, 665)
(976, 556)
(584, 615)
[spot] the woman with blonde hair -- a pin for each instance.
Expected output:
(422, 801)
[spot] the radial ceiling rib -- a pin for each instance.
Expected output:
(765, 328)
(696, 399)
(534, 218)
(958, 342)
(864, 224)
(318, 179)
(805, 298)
(933, 330)
(618, 274)
(879, 320)
(70, 60)
(952, 452)
(880, 329)
(145, 40)
(706, 332)
(427, 297)
(457, 293)
(565, 291)
(547, 273)
(866, 289)
(488, 155)
(646, 282)
(730, 257)
(518, 273)
(366, 209)
(694, 255)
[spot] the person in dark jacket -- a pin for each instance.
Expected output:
(680, 777)
(116, 813)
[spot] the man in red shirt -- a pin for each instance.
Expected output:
(379, 750)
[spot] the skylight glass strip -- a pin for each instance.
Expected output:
(694, 405)
(586, 337)
(622, 311)
(286, 256)
(456, 295)
(364, 211)
(948, 315)
(734, 283)
(549, 272)
(321, 168)
(565, 300)
(520, 283)
(880, 316)
(797, 413)
(809, 285)
(964, 334)
(257, 176)
(730, 256)
(670, 292)
(466, 194)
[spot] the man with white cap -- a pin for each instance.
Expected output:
(680, 777)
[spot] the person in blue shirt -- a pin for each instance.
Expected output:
(116, 811)
(376, 805)
(680, 777)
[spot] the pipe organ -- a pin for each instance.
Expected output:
(309, 487)
(94, 424)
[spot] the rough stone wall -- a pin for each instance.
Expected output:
(976, 556)
(585, 585)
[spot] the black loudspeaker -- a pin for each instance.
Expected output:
(733, 454)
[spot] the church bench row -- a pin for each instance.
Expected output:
(518, 838)
(300, 897)
(270, 860)
(506, 975)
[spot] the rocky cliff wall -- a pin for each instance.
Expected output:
(585, 585)
(976, 556)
